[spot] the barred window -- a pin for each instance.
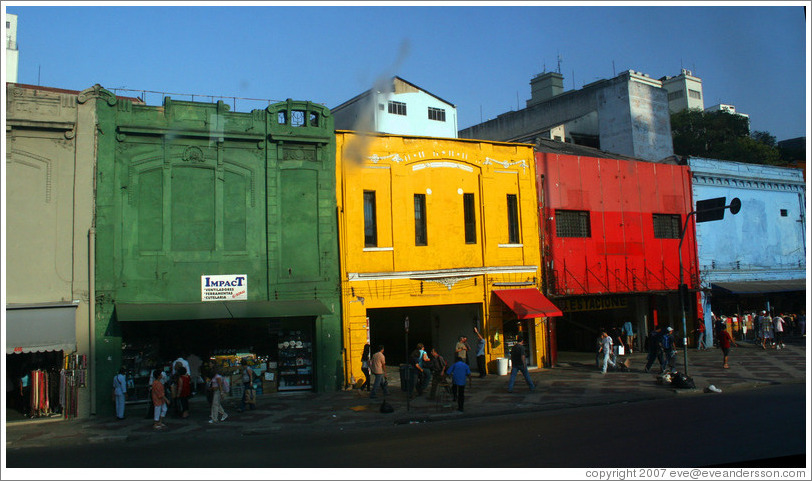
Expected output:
(666, 226)
(436, 114)
(572, 223)
(397, 108)
(675, 94)
(694, 94)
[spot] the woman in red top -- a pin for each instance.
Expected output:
(724, 343)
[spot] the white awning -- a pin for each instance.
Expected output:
(41, 328)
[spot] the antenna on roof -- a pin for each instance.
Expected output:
(613, 69)
(559, 62)
(39, 70)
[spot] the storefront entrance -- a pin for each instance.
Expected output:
(434, 326)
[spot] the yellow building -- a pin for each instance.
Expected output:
(441, 235)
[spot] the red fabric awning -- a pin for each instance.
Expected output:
(528, 303)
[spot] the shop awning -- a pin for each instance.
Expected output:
(760, 287)
(126, 312)
(41, 328)
(528, 303)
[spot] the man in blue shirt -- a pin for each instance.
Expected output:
(480, 354)
(459, 375)
(628, 331)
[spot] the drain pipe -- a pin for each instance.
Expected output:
(91, 254)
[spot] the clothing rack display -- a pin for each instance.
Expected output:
(72, 377)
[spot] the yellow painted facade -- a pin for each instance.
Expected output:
(448, 282)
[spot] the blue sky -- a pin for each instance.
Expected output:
(480, 58)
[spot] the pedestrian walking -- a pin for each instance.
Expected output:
(778, 327)
(438, 366)
(248, 395)
(120, 392)
(377, 367)
(628, 332)
(183, 389)
(700, 334)
(365, 368)
(480, 354)
(459, 372)
(724, 344)
(606, 352)
(654, 349)
(668, 346)
(518, 360)
(159, 401)
(216, 385)
(766, 330)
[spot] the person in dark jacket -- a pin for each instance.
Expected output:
(654, 349)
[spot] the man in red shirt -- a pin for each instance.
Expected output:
(724, 343)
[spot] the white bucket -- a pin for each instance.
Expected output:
(502, 366)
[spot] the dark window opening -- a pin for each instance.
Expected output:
(513, 218)
(784, 212)
(420, 220)
(370, 220)
(397, 108)
(469, 209)
(436, 114)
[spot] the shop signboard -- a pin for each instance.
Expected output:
(233, 287)
(593, 303)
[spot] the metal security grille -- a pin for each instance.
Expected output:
(666, 226)
(397, 108)
(572, 223)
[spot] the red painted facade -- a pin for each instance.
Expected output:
(621, 255)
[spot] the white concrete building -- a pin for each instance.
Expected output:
(731, 109)
(12, 54)
(684, 91)
(399, 108)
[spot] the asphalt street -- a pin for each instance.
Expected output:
(681, 431)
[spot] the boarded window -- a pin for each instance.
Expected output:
(150, 210)
(666, 226)
(572, 223)
(235, 209)
(192, 209)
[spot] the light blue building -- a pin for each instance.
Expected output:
(754, 260)
(397, 107)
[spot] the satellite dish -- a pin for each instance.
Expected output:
(735, 206)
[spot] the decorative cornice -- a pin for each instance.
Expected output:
(459, 273)
(741, 182)
(449, 282)
(97, 92)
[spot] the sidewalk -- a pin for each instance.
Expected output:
(575, 382)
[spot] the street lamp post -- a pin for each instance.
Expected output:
(708, 210)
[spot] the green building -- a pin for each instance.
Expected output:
(216, 236)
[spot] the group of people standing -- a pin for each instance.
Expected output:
(179, 386)
(429, 368)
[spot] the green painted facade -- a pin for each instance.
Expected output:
(190, 189)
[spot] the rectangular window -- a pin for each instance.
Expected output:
(675, 94)
(397, 108)
(513, 218)
(666, 226)
(370, 220)
(436, 114)
(694, 94)
(784, 213)
(469, 209)
(420, 220)
(572, 223)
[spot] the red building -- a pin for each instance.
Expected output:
(610, 238)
